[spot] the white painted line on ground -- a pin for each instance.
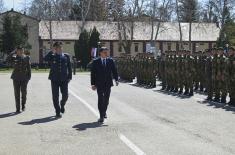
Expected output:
(85, 103)
(131, 145)
(123, 138)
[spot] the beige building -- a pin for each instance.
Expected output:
(204, 35)
(33, 32)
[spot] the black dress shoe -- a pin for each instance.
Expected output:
(17, 111)
(23, 107)
(105, 116)
(223, 100)
(101, 120)
(58, 116)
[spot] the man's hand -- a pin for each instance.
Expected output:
(93, 87)
(117, 83)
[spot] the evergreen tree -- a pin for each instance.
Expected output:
(81, 48)
(227, 32)
(94, 38)
(13, 34)
(188, 10)
(7, 42)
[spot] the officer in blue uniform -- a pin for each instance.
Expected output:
(60, 75)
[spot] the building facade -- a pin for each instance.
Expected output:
(204, 36)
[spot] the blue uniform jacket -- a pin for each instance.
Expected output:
(60, 67)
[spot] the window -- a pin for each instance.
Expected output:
(202, 44)
(136, 47)
(168, 46)
(67, 42)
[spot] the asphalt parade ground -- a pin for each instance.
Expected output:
(140, 121)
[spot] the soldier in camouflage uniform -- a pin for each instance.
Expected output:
(223, 77)
(216, 75)
(21, 75)
(180, 76)
(202, 71)
(231, 74)
(189, 74)
(175, 72)
(162, 70)
(208, 71)
(196, 65)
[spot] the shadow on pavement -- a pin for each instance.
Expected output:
(226, 107)
(173, 94)
(8, 115)
(84, 126)
(40, 121)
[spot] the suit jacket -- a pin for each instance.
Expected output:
(21, 67)
(102, 76)
(60, 66)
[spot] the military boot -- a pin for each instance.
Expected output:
(231, 102)
(223, 99)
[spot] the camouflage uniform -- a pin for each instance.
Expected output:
(231, 74)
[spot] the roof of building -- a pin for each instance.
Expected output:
(19, 13)
(70, 30)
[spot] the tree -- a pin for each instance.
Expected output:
(223, 16)
(13, 34)
(115, 8)
(179, 24)
(227, 32)
(94, 38)
(160, 12)
(81, 48)
(80, 11)
(188, 12)
(126, 19)
(51, 10)
(98, 11)
(60, 9)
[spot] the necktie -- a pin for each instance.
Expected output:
(104, 63)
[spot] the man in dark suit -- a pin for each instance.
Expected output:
(21, 75)
(102, 74)
(60, 75)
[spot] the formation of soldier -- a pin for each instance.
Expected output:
(211, 72)
(143, 66)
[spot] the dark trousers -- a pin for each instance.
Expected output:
(20, 89)
(103, 100)
(61, 86)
